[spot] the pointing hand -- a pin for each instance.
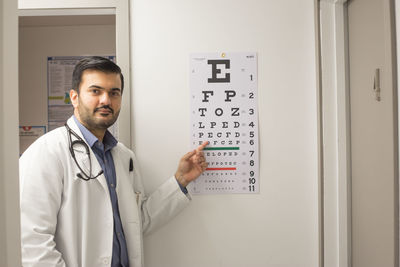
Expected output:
(191, 165)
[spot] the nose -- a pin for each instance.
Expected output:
(105, 99)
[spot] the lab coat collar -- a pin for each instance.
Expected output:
(109, 140)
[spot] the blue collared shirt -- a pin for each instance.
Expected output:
(103, 154)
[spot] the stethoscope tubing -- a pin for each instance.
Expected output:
(81, 142)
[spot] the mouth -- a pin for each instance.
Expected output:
(104, 111)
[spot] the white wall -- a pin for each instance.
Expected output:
(278, 227)
(37, 42)
(10, 254)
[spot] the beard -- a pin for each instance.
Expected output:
(92, 122)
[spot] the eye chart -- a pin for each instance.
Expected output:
(224, 112)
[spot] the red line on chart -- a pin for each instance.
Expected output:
(221, 169)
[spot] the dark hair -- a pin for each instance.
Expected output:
(94, 63)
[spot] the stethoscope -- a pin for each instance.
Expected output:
(80, 142)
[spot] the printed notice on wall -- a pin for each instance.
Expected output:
(224, 112)
(59, 83)
(28, 135)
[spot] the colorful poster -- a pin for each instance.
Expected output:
(224, 112)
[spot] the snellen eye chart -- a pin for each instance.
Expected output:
(224, 112)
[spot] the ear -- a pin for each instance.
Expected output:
(73, 95)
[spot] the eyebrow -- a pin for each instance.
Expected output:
(99, 87)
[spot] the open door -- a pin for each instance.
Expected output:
(373, 118)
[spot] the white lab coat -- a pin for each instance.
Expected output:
(66, 221)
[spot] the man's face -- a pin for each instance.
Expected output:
(98, 103)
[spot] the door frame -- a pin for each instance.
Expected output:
(9, 224)
(334, 128)
(10, 242)
(119, 8)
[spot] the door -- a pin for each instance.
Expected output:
(373, 133)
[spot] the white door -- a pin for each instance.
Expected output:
(373, 134)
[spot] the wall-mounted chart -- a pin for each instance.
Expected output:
(224, 112)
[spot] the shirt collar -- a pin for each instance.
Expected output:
(109, 140)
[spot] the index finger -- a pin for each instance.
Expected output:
(202, 146)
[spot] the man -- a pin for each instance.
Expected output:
(82, 198)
